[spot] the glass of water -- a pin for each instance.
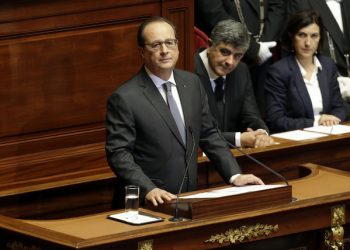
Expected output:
(132, 201)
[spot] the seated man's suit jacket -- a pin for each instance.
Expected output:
(288, 102)
(144, 146)
(240, 109)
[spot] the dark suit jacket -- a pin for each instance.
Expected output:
(289, 105)
(240, 111)
(340, 41)
(143, 144)
(210, 12)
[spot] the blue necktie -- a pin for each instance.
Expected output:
(175, 111)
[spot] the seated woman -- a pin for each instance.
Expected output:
(302, 89)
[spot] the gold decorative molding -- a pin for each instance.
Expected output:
(243, 233)
(145, 245)
(20, 246)
(334, 237)
(338, 215)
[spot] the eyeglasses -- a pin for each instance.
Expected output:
(169, 43)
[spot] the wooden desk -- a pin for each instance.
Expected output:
(319, 192)
(332, 151)
(87, 182)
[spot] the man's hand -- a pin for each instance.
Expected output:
(158, 196)
(245, 179)
(255, 139)
(263, 141)
(328, 120)
(264, 51)
(344, 86)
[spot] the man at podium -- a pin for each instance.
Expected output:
(157, 120)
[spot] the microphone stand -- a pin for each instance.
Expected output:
(176, 217)
(249, 156)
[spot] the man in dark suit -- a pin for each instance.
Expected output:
(228, 43)
(264, 20)
(150, 144)
(336, 19)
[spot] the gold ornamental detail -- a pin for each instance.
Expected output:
(20, 246)
(145, 245)
(334, 237)
(243, 233)
(338, 216)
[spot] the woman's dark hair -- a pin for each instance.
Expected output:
(140, 35)
(298, 21)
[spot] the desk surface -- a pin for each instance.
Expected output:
(285, 144)
(332, 151)
(323, 185)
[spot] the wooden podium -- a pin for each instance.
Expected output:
(198, 208)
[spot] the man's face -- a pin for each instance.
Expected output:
(160, 52)
(223, 58)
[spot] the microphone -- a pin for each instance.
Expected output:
(249, 156)
(176, 217)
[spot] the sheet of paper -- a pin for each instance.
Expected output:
(298, 135)
(332, 130)
(141, 218)
(230, 191)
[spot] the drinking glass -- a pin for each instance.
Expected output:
(132, 201)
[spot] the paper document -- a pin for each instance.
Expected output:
(140, 219)
(230, 191)
(298, 135)
(331, 130)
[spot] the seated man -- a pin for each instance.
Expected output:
(228, 86)
(264, 19)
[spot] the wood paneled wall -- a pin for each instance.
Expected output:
(59, 62)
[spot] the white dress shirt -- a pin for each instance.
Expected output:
(313, 88)
(159, 84)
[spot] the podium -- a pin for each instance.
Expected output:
(197, 204)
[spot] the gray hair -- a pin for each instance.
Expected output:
(230, 32)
